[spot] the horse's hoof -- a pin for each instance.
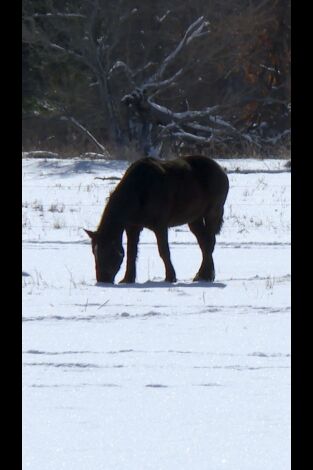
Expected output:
(171, 279)
(127, 281)
(198, 278)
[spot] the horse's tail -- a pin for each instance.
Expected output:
(219, 222)
(214, 220)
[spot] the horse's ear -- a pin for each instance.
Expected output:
(91, 234)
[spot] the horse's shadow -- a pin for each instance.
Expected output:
(164, 285)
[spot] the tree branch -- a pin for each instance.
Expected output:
(56, 15)
(86, 132)
(194, 31)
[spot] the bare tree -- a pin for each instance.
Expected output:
(152, 124)
(147, 79)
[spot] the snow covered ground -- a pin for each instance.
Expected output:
(189, 376)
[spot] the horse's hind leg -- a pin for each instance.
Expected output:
(206, 240)
(133, 234)
(164, 251)
(205, 230)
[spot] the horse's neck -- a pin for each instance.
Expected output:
(112, 223)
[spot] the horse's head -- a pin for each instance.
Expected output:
(108, 255)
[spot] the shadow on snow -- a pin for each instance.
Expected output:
(163, 284)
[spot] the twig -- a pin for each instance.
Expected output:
(103, 304)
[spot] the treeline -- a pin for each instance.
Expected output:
(156, 78)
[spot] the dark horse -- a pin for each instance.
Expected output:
(157, 195)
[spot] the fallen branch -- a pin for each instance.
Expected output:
(107, 178)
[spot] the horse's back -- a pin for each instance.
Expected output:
(174, 192)
(206, 170)
(209, 173)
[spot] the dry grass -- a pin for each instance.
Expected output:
(130, 153)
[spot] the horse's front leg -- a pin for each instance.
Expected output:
(133, 234)
(164, 251)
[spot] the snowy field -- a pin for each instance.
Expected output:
(189, 376)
